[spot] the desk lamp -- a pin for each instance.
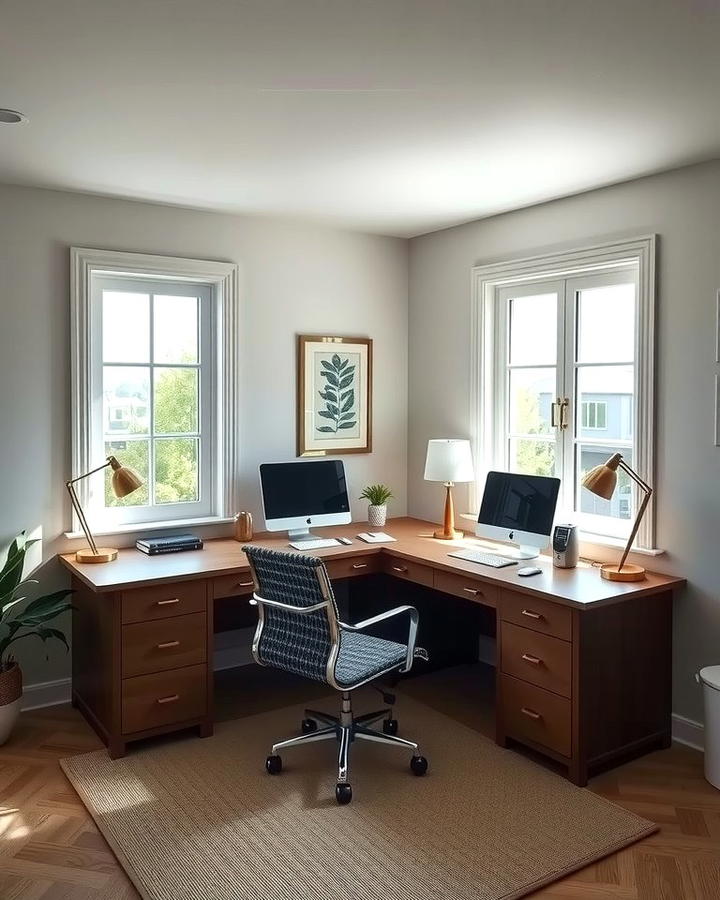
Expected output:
(448, 461)
(124, 482)
(602, 481)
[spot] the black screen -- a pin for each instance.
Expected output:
(519, 502)
(303, 489)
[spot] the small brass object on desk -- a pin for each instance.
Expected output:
(243, 526)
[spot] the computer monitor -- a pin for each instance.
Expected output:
(296, 495)
(518, 508)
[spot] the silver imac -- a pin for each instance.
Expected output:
(297, 495)
(518, 508)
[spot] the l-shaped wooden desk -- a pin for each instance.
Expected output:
(584, 664)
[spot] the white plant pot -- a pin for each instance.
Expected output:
(8, 717)
(377, 515)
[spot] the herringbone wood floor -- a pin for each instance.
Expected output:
(50, 848)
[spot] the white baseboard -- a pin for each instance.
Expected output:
(688, 732)
(46, 693)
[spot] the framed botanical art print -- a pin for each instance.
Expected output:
(334, 404)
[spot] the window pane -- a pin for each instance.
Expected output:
(620, 505)
(125, 327)
(175, 329)
(134, 455)
(531, 396)
(606, 400)
(176, 470)
(606, 324)
(533, 330)
(126, 399)
(532, 457)
(176, 401)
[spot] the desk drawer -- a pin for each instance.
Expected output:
(149, 701)
(535, 714)
(163, 600)
(537, 614)
(234, 585)
(543, 660)
(408, 570)
(464, 586)
(163, 644)
(352, 566)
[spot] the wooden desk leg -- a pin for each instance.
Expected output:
(116, 748)
(205, 730)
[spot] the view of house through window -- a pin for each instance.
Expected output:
(566, 401)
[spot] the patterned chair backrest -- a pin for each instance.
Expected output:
(297, 642)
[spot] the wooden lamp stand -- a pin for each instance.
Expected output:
(448, 533)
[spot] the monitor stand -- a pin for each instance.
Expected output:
(302, 534)
(524, 551)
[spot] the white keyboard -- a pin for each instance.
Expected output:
(485, 559)
(315, 544)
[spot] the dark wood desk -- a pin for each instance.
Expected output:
(584, 665)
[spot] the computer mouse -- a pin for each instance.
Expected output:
(529, 570)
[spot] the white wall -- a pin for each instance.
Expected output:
(295, 278)
(683, 208)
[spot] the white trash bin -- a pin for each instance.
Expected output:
(709, 678)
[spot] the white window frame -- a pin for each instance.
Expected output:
(487, 388)
(586, 405)
(222, 280)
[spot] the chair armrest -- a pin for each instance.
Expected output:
(381, 617)
(287, 607)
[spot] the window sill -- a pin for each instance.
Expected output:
(144, 527)
(588, 539)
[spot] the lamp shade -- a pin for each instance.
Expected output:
(448, 460)
(124, 480)
(602, 479)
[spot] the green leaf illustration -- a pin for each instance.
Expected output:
(347, 424)
(346, 380)
(326, 414)
(348, 404)
(336, 362)
(343, 364)
(338, 394)
(325, 364)
(331, 377)
(325, 429)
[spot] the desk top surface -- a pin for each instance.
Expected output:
(577, 587)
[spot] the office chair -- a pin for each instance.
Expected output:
(299, 630)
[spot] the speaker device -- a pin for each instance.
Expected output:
(565, 546)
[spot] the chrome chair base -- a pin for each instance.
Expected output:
(346, 728)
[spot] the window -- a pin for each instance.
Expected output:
(594, 415)
(154, 380)
(564, 374)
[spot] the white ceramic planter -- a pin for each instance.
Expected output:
(377, 515)
(8, 717)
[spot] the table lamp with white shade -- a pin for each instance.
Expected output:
(448, 460)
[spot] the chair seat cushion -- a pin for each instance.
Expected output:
(362, 656)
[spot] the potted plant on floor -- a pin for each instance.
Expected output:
(19, 620)
(378, 495)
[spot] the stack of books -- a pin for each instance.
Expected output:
(172, 543)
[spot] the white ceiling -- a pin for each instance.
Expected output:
(391, 116)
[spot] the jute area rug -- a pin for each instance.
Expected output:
(196, 819)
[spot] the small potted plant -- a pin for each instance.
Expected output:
(17, 623)
(378, 495)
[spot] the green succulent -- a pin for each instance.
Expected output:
(18, 621)
(377, 494)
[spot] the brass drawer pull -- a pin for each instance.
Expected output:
(168, 602)
(171, 699)
(167, 644)
(530, 713)
(245, 584)
(359, 566)
(471, 591)
(535, 660)
(531, 615)
(399, 568)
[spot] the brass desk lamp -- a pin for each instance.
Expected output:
(602, 481)
(124, 482)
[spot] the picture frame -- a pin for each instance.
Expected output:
(334, 395)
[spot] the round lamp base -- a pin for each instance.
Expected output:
(103, 555)
(627, 573)
(442, 536)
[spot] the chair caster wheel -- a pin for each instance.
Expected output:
(390, 726)
(274, 765)
(343, 793)
(307, 726)
(418, 765)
